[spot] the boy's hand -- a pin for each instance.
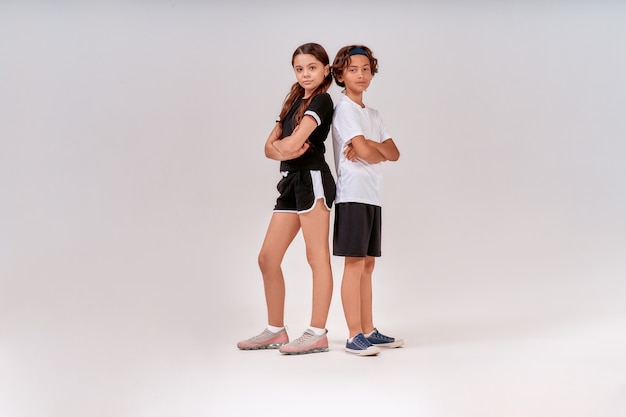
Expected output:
(349, 152)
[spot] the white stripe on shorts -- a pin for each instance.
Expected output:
(318, 188)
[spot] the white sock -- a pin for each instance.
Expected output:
(370, 333)
(274, 329)
(317, 330)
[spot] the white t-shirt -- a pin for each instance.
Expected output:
(358, 181)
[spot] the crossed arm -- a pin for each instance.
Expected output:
(371, 151)
(291, 146)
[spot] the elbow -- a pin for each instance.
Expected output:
(272, 153)
(277, 148)
(282, 148)
(393, 154)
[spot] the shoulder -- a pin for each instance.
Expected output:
(322, 99)
(322, 106)
(343, 103)
(346, 105)
(373, 113)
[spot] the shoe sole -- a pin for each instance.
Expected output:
(396, 344)
(367, 352)
(263, 347)
(303, 352)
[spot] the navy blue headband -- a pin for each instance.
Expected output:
(357, 51)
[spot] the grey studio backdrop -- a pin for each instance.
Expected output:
(135, 195)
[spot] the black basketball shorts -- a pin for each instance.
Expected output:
(299, 190)
(357, 230)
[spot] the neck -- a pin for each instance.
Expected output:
(356, 97)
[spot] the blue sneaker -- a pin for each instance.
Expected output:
(380, 340)
(360, 346)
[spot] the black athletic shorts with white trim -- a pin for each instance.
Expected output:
(357, 230)
(299, 190)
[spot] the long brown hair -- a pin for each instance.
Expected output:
(297, 91)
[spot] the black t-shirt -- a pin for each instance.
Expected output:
(321, 109)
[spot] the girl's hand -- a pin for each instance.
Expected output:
(293, 145)
(301, 151)
(349, 152)
(305, 146)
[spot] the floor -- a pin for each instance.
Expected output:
(132, 367)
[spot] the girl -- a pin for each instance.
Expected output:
(361, 143)
(307, 191)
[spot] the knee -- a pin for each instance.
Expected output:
(317, 258)
(368, 267)
(355, 266)
(266, 262)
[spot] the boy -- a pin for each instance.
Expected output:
(360, 143)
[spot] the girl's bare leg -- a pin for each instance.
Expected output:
(351, 293)
(281, 231)
(315, 229)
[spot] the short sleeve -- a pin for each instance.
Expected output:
(346, 122)
(384, 135)
(321, 109)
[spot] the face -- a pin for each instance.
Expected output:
(310, 72)
(358, 75)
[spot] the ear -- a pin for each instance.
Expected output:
(326, 70)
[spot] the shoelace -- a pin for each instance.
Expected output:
(382, 336)
(257, 337)
(305, 337)
(261, 336)
(361, 342)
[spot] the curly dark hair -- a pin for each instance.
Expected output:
(342, 61)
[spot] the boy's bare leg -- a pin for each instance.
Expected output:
(367, 320)
(351, 293)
